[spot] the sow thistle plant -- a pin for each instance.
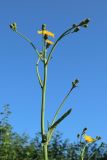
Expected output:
(45, 57)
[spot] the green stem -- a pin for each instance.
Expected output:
(45, 151)
(38, 75)
(83, 151)
(50, 133)
(29, 41)
(61, 105)
(43, 100)
(44, 138)
(68, 31)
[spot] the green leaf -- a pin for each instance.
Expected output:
(61, 119)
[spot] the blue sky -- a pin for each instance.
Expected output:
(82, 55)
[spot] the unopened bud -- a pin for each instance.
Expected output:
(76, 29)
(87, 21)
(76, 81)
(78, 135)
(43, 26)
(84, 130)
(13, 26)
(84, 22)
(85, 25)
(74, 25)
(98, 137)
(74, 84)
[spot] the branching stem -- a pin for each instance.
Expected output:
(29, 41)
(68, 31)
(50, 132)
(61, 105)
(44, 136)
(38, 75)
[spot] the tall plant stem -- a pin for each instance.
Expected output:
(44, 138)
(43, 101)
(45, 151)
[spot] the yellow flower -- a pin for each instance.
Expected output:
(49, 42)
(45, 32)
(89, 139)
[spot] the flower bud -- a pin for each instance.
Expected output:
(76, 29)
(43, 26)
(76, 81)
(98, 137)
(87, 21)
(13, 26)
(84, 130)
(78, 135)
(84, 22)
(74, 84)
(74, 25)
(85, 25)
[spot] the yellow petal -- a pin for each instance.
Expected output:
(89, 139)
(49, 42)
(45, 32)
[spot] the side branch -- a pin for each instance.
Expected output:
(74, 28)
(60, 37)
(38, 75)
(61, 105)
(29, 41)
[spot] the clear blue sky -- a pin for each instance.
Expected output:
(82, 55)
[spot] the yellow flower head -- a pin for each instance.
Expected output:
(46, 32)
(89, 139)
(49, 42)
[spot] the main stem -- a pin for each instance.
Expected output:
(44, 138)
(83, 151)
(45, 151)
